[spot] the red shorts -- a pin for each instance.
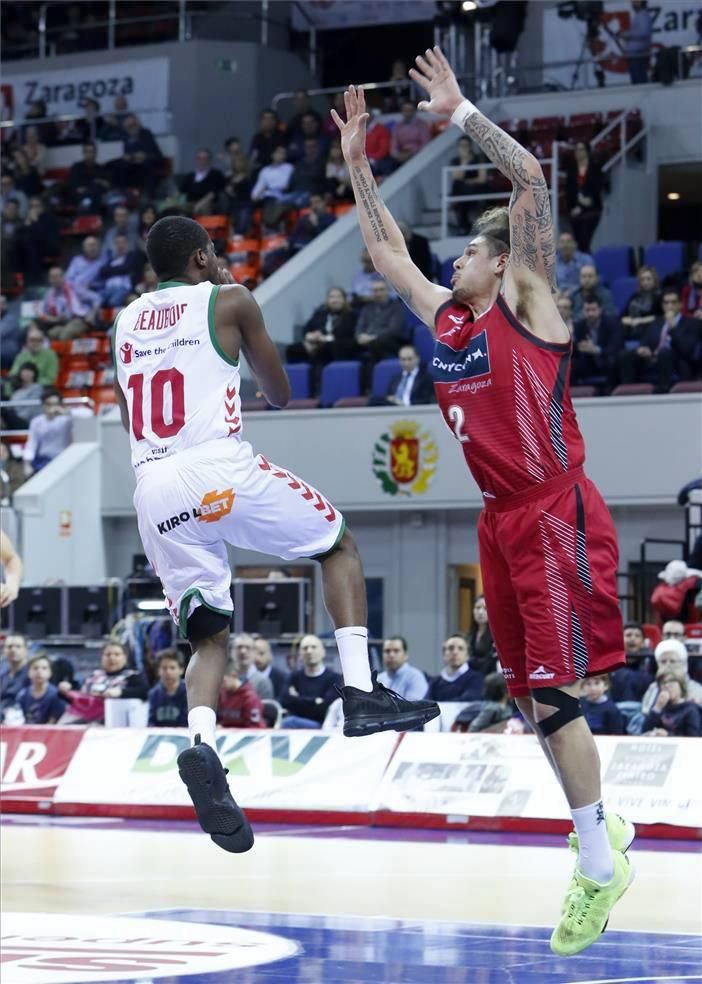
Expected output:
(549, 559)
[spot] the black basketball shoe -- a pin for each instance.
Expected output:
(382, 710)
(218, 814)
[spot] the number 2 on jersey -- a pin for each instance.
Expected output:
(458, 419)
(159, 425)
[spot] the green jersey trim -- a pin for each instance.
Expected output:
(213, 334)
(165, 284)
(185, 604)
(114, 339)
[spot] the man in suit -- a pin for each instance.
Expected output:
(409, 387)
(669, 347)
(589, 285)
(597, 343)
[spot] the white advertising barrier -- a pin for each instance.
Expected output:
(650, 780)
(144, 82)
(283, 770)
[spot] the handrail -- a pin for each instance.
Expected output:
(69, 117)
(367, 87)
(623, 151)
(70, 401)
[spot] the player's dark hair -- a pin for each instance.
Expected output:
(493, 225)
(170, 244)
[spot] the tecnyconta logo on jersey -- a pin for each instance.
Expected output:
(405, 459)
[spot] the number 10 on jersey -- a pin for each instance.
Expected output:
(175, 381)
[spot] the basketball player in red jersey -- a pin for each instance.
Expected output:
(548, 548)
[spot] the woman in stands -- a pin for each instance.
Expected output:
(480, 642)
(673, 715)
(584, 195)
(645, 305)
(466, 183)
(328, 335)
(113, 678)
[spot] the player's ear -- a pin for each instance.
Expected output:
(502, 261)
(201, 258)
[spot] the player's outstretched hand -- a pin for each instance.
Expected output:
(353, 132)
(436, 77)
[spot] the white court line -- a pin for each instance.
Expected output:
(626, 980)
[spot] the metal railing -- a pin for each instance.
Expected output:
(413, 91)
(74, 117)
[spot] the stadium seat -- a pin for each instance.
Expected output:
(306, 404)
(667, 258)
(693, 630)
(613, 263)
(243, 249)
(623, 289)
(340, 379)
(633, 389)
(383, 372)
(341, 208)
(580, 392)
(245, 273)
(352, 401)
(105, 377)
(84, 225)
(423, 341)
(583, 126)
(299, 376)
(446, 272)
(216, 226)
(688, 386)
(102, 396)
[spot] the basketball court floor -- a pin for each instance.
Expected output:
(118, 901)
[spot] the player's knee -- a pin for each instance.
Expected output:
(346, 546)
(207, 626)
(567, 709)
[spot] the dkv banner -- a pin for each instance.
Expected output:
(649, 780)
(294, 770)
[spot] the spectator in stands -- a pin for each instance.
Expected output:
(597, 340)
(87, 180)
(481, 646)
(636, 42)
(311, 690)
(569, 261)
(584, 195)
(124, 223)
(308, 175)
(673, 629)
(63, 669)
(601, 713)
(302, 107)
(11, 193)
(25, 175)
(336, 174)
(137, 168)
(241, 650)
(673, 714)
(565, 309)
(11, 223)
(12, 469)
(47, 128)
(263, 661)
(50, 433)
(692, 293)
(396, 97)
(668, 348)
(590, 286)
(494, 709)
(271, 187)
(239, 706)
(121, 273)
(409, 135)
(114, 678)
(630, 682)
(40, 702)
(329, 333)
(329, 128)
(168, 702)
(419, 250)
(147, 217)
(204, 186)
(14, 672)
(381, 325)
(238, 186)
(456, 681)
(84, 270)
(37, 351)
(365, 279)
(377, 144)
(38, 240)
(27, 387)
(310, 129)
(644, 306)
(267, 138)
(676, 597)
(35, 150)
(411, 386)
(671, 655)
(113, 123)
(398, 674)
(148, 282)
(310, 225)
(466, 183)
(11, 333)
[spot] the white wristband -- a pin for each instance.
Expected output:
(462, 112)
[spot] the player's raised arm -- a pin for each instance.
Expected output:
(12, 565)
(532, 253)
(380, 232)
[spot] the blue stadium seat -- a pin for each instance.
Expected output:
(622, 290)
(446, 272)
(299, 376)
(667, 258)
(613, 262)
(423, 341)
(340, 379)
(383, 372)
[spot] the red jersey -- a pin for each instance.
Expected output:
(503, 392)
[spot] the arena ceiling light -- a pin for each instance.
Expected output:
(673, 196)
(468, 5)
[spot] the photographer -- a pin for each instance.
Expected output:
(636, 42)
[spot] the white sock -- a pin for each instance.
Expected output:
(202, 721)
(595, 861)
(352, 642)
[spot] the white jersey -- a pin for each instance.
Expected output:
(181, 388)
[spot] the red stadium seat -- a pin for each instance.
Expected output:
(105, 377)
(693, 630)
(216, 226)
(245, 273)
(341, 208)
(102, 396)
(84, 225)
(689, 386)
(652, 635)
(242, 249)
(633, 389)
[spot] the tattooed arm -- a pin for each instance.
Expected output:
(380, 232)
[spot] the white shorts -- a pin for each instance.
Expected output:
(191, 504)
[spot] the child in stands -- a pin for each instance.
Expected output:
(602, 714)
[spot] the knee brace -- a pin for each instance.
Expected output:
(568, 708)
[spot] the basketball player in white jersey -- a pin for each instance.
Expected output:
(200, 486)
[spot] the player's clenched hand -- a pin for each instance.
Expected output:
(436, 77)
(353, 132)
